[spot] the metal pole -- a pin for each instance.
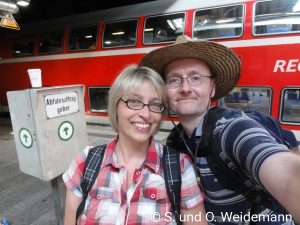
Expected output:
(57, 201)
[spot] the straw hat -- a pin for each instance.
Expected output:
(224, 64)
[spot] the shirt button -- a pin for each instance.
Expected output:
(152, 196)
(98, 196)
(138, 172)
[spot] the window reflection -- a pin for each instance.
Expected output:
(277, 16)
(248, 98)
(160, 29)
(290, 105)
(222, 22)
(23, 46)
(121, 33)
(98, 98)
(83, 38)
(51, 42)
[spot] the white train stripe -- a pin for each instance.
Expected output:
(130, 51)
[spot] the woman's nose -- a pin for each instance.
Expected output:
(145, 111)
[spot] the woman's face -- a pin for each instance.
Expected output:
(139, 125)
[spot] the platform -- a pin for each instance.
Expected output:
(26, 200)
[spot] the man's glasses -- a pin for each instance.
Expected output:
(138, 105)
(194, 81)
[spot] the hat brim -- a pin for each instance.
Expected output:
(223, 62)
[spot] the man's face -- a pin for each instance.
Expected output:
(192, 96)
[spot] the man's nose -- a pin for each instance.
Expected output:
(185, 85)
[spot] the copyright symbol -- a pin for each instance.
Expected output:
(155, 216)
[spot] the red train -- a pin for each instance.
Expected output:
(92, 48)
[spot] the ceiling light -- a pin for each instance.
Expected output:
(8, 7)
(148, 29)
(23, 2)
(118, 33)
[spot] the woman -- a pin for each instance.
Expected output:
(130, 186)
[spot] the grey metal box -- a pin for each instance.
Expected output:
(49, 128)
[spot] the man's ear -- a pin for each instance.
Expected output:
(213, 89)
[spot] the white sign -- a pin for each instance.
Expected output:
(25, 138)
(61, 104)
(65, 130)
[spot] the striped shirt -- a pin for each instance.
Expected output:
(110, 201)
(246, 143)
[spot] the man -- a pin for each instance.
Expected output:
(196, 73)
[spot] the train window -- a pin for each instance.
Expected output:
(290, 105)
(119, 34)
(276, 17)
(83, 38)
(160, 29)
(248, 98)
(98, 98)
(51, 42)
(221, 22)
(23, 46)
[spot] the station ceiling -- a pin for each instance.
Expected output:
(42, 10)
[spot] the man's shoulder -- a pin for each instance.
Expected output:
(229, 116)
(219, 118)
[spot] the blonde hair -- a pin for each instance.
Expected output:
(129, 80)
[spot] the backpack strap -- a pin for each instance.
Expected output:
(226, 172)
(289, 139)
(93, 163)
(229, 175)
(172, 174)
(209, 123)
